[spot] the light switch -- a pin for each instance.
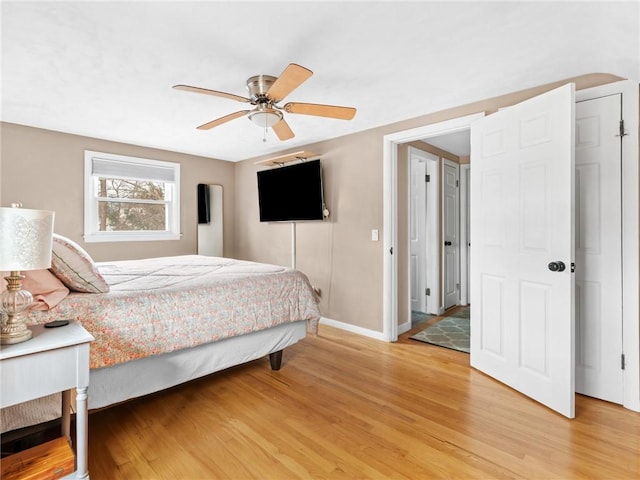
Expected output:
(374, 235)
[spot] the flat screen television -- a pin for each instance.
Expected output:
(291, 193)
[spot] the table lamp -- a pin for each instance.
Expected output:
(25, 244)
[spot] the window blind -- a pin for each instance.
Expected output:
(119, 169)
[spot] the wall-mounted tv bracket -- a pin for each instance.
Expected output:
(289, 157)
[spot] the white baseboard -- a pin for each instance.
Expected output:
(404, 327)
(352, 328)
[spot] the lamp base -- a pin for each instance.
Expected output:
(14, 301)
(14, 333)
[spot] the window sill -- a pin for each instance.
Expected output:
(130, 237)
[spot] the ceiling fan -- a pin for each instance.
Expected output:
(265, 92)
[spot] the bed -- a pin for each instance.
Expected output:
(164, 321)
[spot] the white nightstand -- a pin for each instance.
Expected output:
(54, 360)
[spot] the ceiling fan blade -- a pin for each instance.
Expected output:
(283, 131)
(221, 120)
(206, 91)
(331, 111)
(291, 78)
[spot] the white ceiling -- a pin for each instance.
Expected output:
(458, 143)
(106, 69)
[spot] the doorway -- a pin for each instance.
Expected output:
(444, 254)
(395, 307)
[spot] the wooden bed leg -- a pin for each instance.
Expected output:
(275, 359)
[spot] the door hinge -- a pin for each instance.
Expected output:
(457, 183)
(622, 364)
(457, 286)
(427, 291)
(427, 178)
(573, 267)
(622, 131)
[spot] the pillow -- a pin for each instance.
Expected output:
(46, 288)
(73, 265)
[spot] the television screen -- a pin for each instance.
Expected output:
(291, 193)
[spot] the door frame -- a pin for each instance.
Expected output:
(630, 224)
(465, 238)
(390, 210)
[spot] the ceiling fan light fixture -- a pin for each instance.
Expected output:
(264, 118)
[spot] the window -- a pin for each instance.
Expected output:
(130, 199)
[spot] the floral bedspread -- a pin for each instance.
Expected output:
(165, 304)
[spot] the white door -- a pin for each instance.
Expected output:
(451, 233)
(522, 201)
(598, 249)
(418, 231)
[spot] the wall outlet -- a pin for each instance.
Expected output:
(374, 235)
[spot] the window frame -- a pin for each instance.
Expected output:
(93, 235)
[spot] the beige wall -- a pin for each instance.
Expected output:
(338, 254)
(45, 170)
(436, 151)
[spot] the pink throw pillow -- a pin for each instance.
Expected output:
(45, 287)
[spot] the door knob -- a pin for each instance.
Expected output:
(557, 266)
(448, 244)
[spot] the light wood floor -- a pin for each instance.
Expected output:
(345, 406)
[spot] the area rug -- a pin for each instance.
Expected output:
(419, 317)
(452, 332)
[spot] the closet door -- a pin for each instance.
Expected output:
(598, 248)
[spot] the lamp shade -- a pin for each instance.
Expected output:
(25, 239)
(265, 117)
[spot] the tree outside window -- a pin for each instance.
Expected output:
(126, 215)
